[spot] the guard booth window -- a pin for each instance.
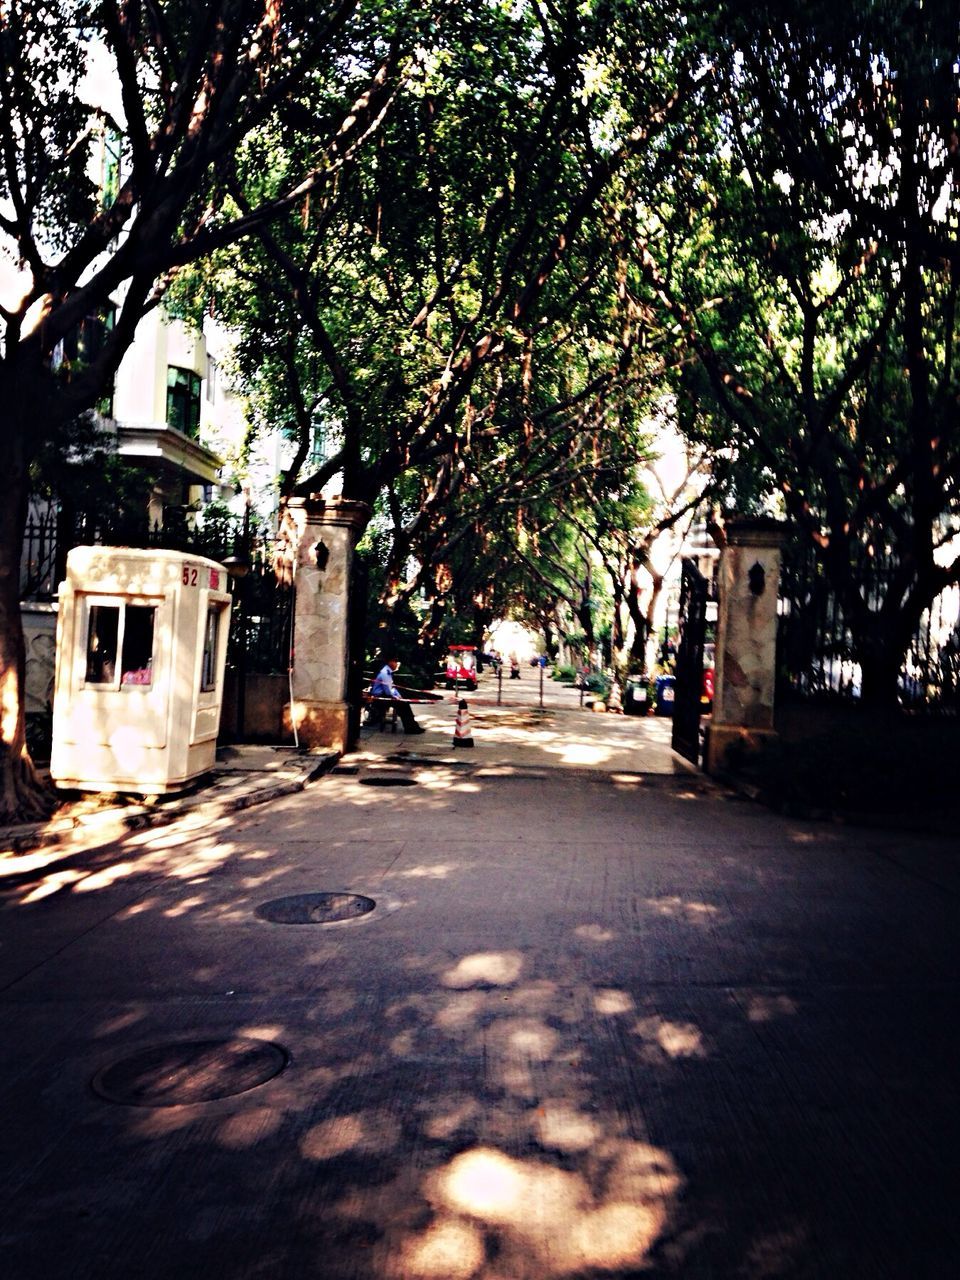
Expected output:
(102, 633)
(208, 667)
(127, 629)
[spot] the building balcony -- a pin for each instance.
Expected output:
(167, 451)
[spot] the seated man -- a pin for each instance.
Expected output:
(383, 687)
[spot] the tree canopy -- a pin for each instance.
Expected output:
(119, 125)
(470, 244)
(813, 281)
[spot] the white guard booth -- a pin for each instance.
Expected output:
(141, 649)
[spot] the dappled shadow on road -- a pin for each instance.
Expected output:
(481, 1123)
(494, 1112)
(562, 735)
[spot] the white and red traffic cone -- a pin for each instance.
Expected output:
(461, 733)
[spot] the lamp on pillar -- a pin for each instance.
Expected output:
(321, 555)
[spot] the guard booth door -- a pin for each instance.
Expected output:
(689, 669)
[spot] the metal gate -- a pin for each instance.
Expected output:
(694, 589)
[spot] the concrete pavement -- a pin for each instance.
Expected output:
(598, 1022)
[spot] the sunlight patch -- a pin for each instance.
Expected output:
(582, 753)
(550, 1217)
(486, 1184)
(447, 1251)
(611, 1002)
(105, 878)
(594, 933)
(489, 968)
(332, 1138)
(677, 908)
(243, 1131)
(676, 1039)
(531, 1039)
(615, 1235)
(182, 908)
(461, 1011)
(765, 1008)
(52, 883)
(561, 1127)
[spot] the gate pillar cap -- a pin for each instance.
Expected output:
(346, 512)
(754, 531)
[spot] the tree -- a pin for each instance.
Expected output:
(455, 318)
(119, 125)
(814, 284)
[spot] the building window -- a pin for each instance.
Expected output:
(82, 347)
(111, 156)
(211, 380)
(183, 401)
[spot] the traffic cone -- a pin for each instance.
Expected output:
(461, 732)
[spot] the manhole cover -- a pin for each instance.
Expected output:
(173, 1075)
(315, 908)
(387, 780)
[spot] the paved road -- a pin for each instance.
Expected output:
(599, 1023)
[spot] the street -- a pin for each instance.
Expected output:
(601, 1020)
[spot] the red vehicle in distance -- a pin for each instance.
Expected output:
(461, 668)
(709, 676)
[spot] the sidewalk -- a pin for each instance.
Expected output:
(517, 735)
(244, 776)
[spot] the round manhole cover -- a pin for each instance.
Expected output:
(388, 780)
(315, 908)
(173, 1075)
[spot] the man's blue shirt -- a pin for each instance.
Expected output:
(383, 686)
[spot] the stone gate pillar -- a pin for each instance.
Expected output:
(326, 535)
(746, 639)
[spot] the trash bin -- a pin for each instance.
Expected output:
(635, 696)
(664, 695)
(141, 649)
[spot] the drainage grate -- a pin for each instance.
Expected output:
(315, 908)
(174, 1075)
(387, 780)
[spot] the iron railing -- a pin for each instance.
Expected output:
(816, 655)
(263, 612)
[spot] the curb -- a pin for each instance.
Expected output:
(112, 824)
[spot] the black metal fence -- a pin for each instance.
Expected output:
(816, 656)
(263, 612)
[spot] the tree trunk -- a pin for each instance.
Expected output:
(23, 796)
(879, 676)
